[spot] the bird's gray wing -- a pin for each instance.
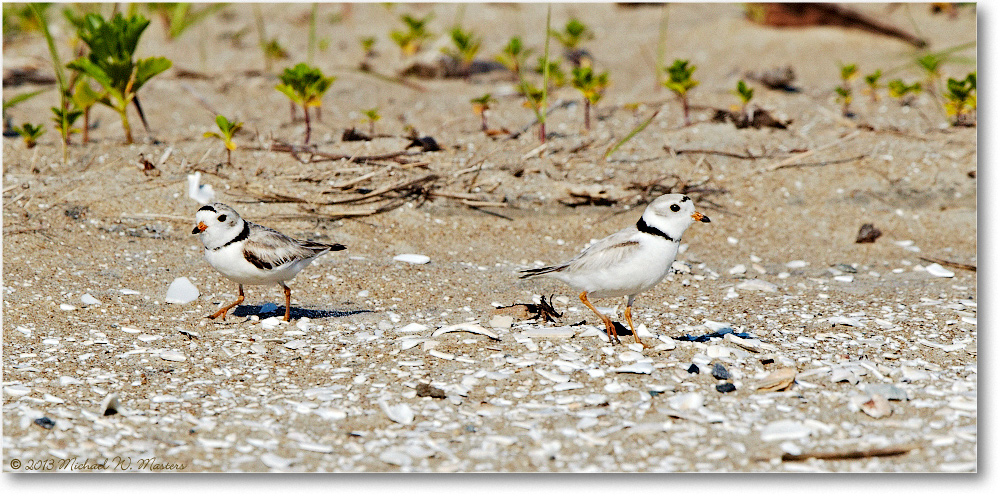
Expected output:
(267, 248)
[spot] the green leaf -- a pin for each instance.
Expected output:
(147, 68)
(21, 98)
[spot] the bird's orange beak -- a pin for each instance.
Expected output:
(700, 217)
(199, 228)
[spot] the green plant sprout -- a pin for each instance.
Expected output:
(16, 99)
(466, 47)
(179, 17)
(591, 86)
(227, 130)
(931, 64)
(680, 82)
(961, 99)
(480, 106)
(38, 10)
(411, 40)
(514, 55)
(574, 33)
(269, 47)
(744, 93)
(557, 78)
(84, 98)
(305, 86)
(899, 90)
(368, 47)
(110, 62)
(872, 81)
(30, 133)
(64, 120)
(844, 92)
(372, 115)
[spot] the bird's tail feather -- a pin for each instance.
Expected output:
(541, 270)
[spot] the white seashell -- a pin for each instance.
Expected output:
(844, 278)
(316, 447)
(758, 285)
(842, 374)
(686, 401)
(615, 387)
(67, 307)
(295, 344)
(943, 347)
(274, 461)
(414, 327)
(214, 443)
(412, 258)
(936, 270)
(467, 327)
(88, 299)
(16, 390)
(401, 413)
(630, 356)
(409, 343)
(164, 398)
(717, 326)
(68, 381)
(331, 414)
(636, 368)
(303, 324)
(552, 376)
(148, 338)
(130, 330)
(501, 321)
(668, 342)
(270, 323)
(877, 406)
(395, 457)
(840, 319)
(110, 405)
(779, 380)
(181, 291)
(173, 356)
(738, 269)
(258, 348)
(566, 386)
(53, 399)
(440, 354)
(718, 351)
(126, 291)
(784, 430)
(796, 264)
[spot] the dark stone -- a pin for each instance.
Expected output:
(428, 390)
(45, 423)
(868, 234)
(726, 387)
(719, 372)
(693, 369)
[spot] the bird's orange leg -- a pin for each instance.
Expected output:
(288, 302)
(610, 326)
(223, 310)
(628, 318)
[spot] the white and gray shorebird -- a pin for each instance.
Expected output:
(252, 254)
(629, 261)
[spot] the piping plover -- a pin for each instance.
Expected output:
(249, 253)
(629, 261)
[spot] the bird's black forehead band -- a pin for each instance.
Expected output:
(683, 199)
(208, 207)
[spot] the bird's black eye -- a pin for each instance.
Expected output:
(222, 218)
(675, 208)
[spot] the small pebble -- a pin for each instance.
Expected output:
(181, 291)
(693, 369)
(88, 299)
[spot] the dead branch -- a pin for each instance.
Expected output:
(949, 263)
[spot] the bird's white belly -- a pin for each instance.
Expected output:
(639, 274)
(229, 261)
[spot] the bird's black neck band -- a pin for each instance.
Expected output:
(648, 229)
(244, 234)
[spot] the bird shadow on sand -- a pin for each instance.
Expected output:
(297, 313)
